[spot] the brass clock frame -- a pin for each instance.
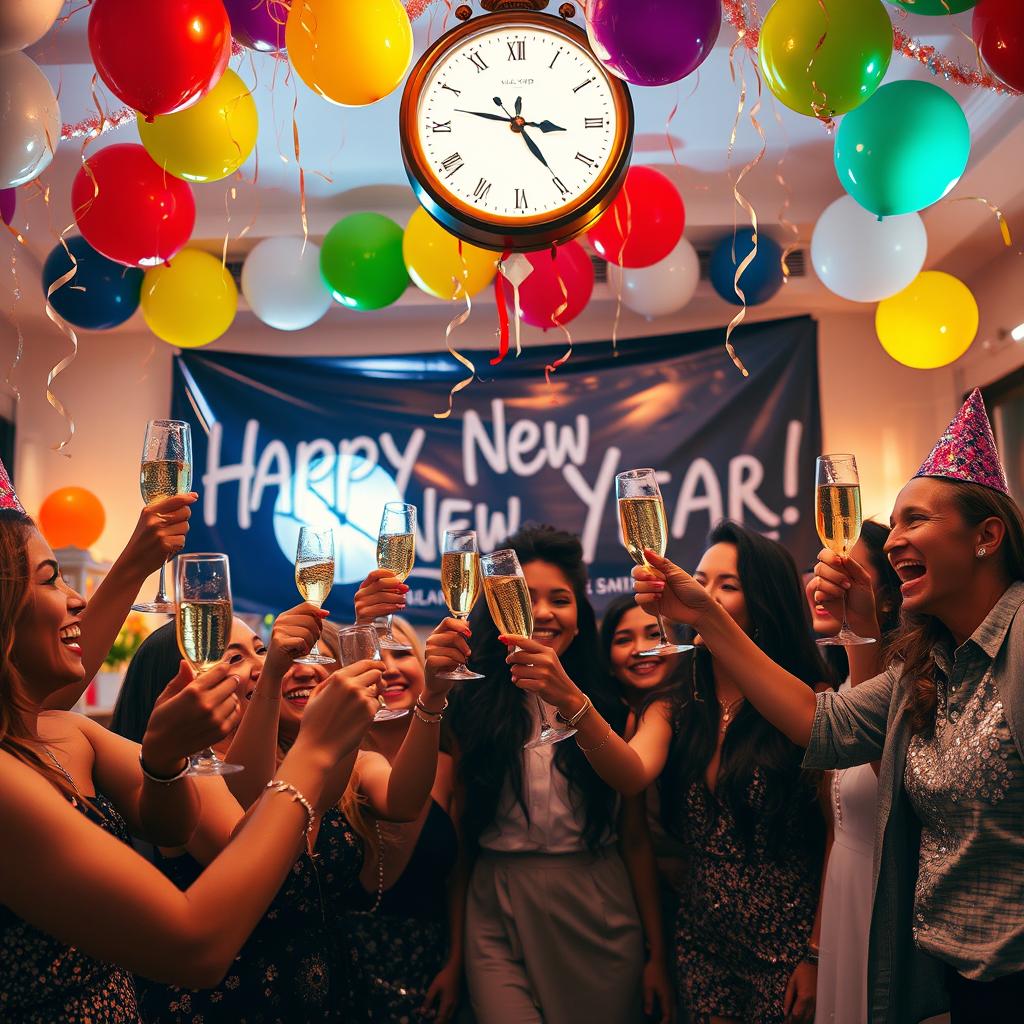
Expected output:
(501, 233)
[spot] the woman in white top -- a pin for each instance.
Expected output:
(552, 929)
(846, 899)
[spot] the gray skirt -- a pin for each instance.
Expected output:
(553, 938)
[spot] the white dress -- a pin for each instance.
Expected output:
(846, 911)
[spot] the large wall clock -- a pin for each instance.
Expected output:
(513, 134)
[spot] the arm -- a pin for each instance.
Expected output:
(88, 889)
(159, 535)
(638, 855)
(254, 745)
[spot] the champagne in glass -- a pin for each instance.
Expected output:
(838, 518)
(166, 470)
(203, 626)
(644, 525)
(362, 643)
(460, 582)
(511, 607)
(314, 576)
(396, 550)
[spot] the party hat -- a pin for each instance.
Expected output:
(8, 497)
(967, 450)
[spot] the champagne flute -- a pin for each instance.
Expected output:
(460, 581)
(361, 643)
(314, 576)
(204, 629)
(644, 525)
(396, 550)
(166, 470)
(838, 518)
(508, 599)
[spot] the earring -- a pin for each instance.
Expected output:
(982, 552)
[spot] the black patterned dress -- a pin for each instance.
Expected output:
(746, 910)
(44, 981)
(396, 948)
(289, 970)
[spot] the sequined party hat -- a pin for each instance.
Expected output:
(967, 450)
(8, 497)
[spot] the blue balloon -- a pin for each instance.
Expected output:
(101, 295)
(760, 281)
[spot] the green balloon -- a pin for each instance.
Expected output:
(903, 149)
(934, 7)
(361, 261)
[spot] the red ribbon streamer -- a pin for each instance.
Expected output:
(499, 296)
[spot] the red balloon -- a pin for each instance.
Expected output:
(541, 295)
(129, 209)
(998, 30)
(159, 56)
(644, 223)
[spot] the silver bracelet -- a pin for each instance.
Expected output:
(280, 786)
(159, 779)
(422, 712)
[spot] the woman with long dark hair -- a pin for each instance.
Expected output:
(732, 789)
(79, 909)
(943, 713)
(552, 931)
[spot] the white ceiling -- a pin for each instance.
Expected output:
(352, 158)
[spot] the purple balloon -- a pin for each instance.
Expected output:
(7, 200)
(653, 42)
(258, 24)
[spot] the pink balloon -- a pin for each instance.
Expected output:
(565, 280)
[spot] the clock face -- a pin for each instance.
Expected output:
(518, 124)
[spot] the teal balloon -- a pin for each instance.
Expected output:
(934, 7)
(361, 261)
(903, 149)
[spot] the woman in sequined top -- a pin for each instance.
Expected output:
(732, 790)
(79, 909)
(943, 712)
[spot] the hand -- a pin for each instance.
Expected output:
(382, 593)
(659, 998)
(444, 992)
(294, 633)
(801, 994)
(340, 711)
(675, 593)
(447, 649)
(836, 578)
(190, 714)
(536, 669)
(160, 532)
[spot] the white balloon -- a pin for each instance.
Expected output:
(865, 259)
(24, 22)
(29, 121)
(661, 289)
(282, 283)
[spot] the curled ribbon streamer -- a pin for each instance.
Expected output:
(624, 235)
(787, 193)
(12, 316)
(302, 174)
(1004, 227)
(819, 108)
(69, 332)
(556, 322)
(499, 298)
(455, 323)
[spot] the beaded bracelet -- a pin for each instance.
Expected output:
(280, 786)
(591, 750)
(427, 716)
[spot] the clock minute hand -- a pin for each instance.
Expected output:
(480, 113)
(534, 149)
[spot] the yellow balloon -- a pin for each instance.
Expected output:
(209, 140)
(191, 302)
(930, 323)
(353, 53)
(432, 258)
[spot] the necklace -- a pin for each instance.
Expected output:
(728, 710)
(61, 769)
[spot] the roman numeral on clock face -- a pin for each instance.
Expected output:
(521, 203)
(517, 49)
(477, 61)
(458, 92)
(483, 186)
(583, 85)
(583, 159)
(560, 185)
(442, 126)
(593, 122)
(452, 164)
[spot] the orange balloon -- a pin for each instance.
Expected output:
(72, 517)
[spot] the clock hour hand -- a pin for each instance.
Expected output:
(480, 113)
(545, 126)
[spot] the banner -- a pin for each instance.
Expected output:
(281, 442)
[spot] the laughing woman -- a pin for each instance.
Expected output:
(944, 714)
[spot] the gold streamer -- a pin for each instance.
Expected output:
(15, 323)
(1004, 227)
(69, 332)
(787, 194)
(624, 235)
(453, 325)
(558, 313)
(302, 174)
(821, 108)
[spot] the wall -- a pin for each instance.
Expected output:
(888, 415)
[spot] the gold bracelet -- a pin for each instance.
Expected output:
(280, 786)
(575, 720)
(591, 750)
(422, 712)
